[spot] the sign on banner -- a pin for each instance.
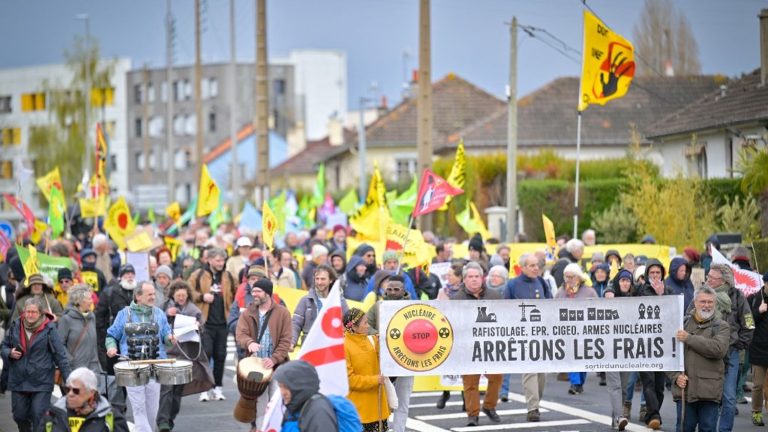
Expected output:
(530, 336)
(140, 263)
(441, 271)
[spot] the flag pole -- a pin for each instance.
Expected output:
(405, 242)
(576, 194)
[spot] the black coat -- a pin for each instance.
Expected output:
(112, 300)
(33, 372)
(96, 421)
(758, 348)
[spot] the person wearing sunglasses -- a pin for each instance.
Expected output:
(82, 408)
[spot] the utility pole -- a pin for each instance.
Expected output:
(87, 90)
(512, 135)
(424, 103)
(235, 171)
(144, 122)
(171, 168)
(361, 152)
(261, 122)
(198, 95)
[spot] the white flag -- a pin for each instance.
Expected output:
(748, 282)
(324, 349)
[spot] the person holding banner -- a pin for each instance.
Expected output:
(474, 289)
(366, 383)
(574, 288)
(697, 391)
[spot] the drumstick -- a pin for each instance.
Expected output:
(155, 361)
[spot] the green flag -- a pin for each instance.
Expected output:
(136, 218)
(48, 265)
(151, 215)
(277, 205)
(349, 202)
(400, 208)
(318, 196)
(469, 219)
(188, 215)
(303, 211)
(56, 209)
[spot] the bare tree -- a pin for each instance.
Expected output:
(664, 41)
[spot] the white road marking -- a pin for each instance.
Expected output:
(496, 427)
(464, 415)
(420, 426)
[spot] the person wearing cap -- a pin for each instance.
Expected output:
(237, 262)
(243, 298)
(90, 274)
(32, 350)
(338, 242)
(214, 289)
(319, 256)
(310, 305)
(37, 287)
(648, 239)
(63, 283)
(162, 279)
(390, 261)
(758, 352)
(574, 287)
(264, 331)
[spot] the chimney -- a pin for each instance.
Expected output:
(335, 131)
(763, 46)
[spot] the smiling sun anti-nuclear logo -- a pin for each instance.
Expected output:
(419, 337)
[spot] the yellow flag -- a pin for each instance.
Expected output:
(139, 241)
(458, 174)
(173, 245)
(174, 211)
(607, 66)
(93, 207)
(119, 222)
(549, 234)
(37, 231)
(31, 265)
(372, 218)
(48, 181)
(270, 225)
(208, 194)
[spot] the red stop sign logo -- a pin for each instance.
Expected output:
(420, 336)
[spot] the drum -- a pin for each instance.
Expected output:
(128, 374)
(176, 373)
(252, 380)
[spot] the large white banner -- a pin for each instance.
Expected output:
(521, 336)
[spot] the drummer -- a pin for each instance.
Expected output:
(179, 303)
(141, 330)
(264, 331)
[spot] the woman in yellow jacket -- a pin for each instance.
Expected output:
(366, 384)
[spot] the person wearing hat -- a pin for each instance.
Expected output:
(574, 287)
(37, 287)
(338, 243)
(758, 352)
(63, 283)
(264, 330)
(237, 262)
(389, 266)
(89, 273)
(163, 278)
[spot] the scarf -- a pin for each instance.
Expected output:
(32, 326)
(141, 310)
(723, 304)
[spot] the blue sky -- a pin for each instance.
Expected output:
(469, 37)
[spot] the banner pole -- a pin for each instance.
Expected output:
(576, 194)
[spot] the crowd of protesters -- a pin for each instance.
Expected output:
(225, 280)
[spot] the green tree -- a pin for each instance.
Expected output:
(753, 167)
(63, 141)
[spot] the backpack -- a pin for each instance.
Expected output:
(347, 418)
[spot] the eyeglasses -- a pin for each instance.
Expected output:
(74, 390)
(65, 281)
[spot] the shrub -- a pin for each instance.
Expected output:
(616, 224)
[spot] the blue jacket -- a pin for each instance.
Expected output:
(117, 331)
(521, 288)
(682, 287)
(33, 372)
(408, 286)
(355, 287)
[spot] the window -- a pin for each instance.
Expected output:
(190, 125)
(155, 126)
(405, 168)
(103, 96)
(164, 92)
(138, 94)
(696, 155)
(177, 90)
(212, 121)
(152, 160)
(6, 170)
(178, 125)
(139, 161)
(150, 92)
(181, 159)
(112, 163)
(278, 86)
(33, 102)
(213, 87)
(5, 104)
(137, 127)
(10, 136)
(187, 90)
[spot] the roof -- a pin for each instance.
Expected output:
(306, 161)
(227, 143)
(742, 101)
(548, 116)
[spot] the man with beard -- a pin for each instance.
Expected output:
(733, 308)
(90, 274)
(214, 289)
(705, 338)
(264, 330)
(368, 254)
(394, 289)
(310, 305)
